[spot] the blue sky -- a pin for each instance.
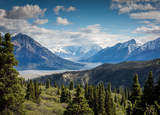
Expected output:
(81, 22)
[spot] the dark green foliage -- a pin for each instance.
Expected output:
(48, 84)
(101, 99)
(30, 92)
(79, 105)
(95, 101)
(129, 109)
(58, 92)
(148, 93)
(157, 91)
(65, 95)
(90, 96)
(37, 92)
(71, 85)
(86, 90)
(109, 103)
(136, 90)
(11, 92)
(55, 85)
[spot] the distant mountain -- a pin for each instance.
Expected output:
(148, 51)
(118, 74)
(118, 53)
(128, 51)
(32, 55)
(77, 52)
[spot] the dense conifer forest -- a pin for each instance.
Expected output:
(31, 97)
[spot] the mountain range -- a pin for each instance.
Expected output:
(127, 51)
(77, 52)
(32, 55)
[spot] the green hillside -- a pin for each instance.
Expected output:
(118, 74)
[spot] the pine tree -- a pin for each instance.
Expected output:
(157, 96)
(129, 109)
(79, 105)
(58, 92)
(11, 92)
(37, 92)
(136, 90)
(55, 85)
(101, 100)
(71, 85)
(30, 92)
(48, 85)
(136, 97)
(65, 95)
(86, 91)
(157, 91)
(90, 96)
(96, 101)
(149, 90)
(109, 103)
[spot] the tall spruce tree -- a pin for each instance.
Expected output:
(157, 91)
(109, 103)
(55, 84)
(65, 95)
(30, 92)
(37, 92)
(71, 85)
(79, 105)
(48, 84)
(90, 96)
(148, 93)
(136, 97)
(136, 90)
(101, 99)
(11, 92)
(86, 90)
(95, 103)
(157, 96)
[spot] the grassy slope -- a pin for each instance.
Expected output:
(50, 104)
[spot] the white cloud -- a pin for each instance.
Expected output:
(92, 29)
(71, 9)
(57, 9)
(153, 15)
(62, 21)
(2, 13)
(48, 37)
(148, 29)
(25, 12)
(40, 21)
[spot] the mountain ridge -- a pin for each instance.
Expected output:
(127, 51)
(32, 55)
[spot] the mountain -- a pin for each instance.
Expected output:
(128, 51)
(77, 52)
(32, 55)
(118, 53)
(148, 51)
(118, 74)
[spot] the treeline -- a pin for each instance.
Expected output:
(101, 100)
